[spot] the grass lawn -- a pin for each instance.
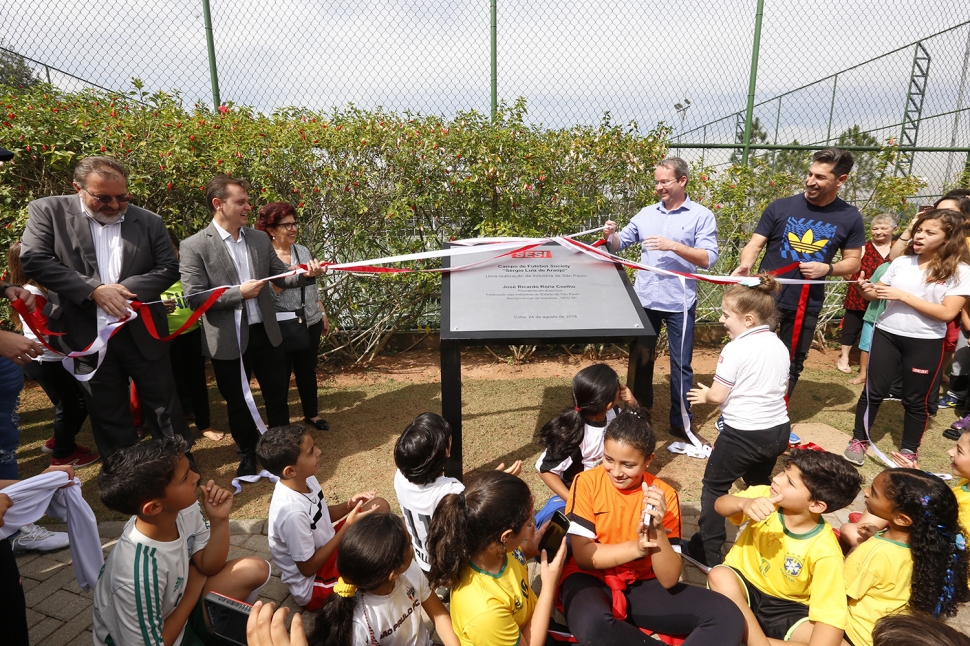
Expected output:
(504, 406)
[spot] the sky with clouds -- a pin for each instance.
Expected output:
(572, 60)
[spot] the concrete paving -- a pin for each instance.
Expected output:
(59, 612)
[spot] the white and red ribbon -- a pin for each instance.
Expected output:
(37, 322)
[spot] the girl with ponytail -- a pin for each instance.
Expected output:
(750, 383)
(380, 588)
(574, 438)
(478, 542)
(917, 564)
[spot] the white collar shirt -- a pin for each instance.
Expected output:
(107, 249)
(239, 253)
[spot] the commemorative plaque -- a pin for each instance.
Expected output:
(548, 290)
(549, 294)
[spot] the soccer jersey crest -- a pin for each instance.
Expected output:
(806, 240)
(793, 566)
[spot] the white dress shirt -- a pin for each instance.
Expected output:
(107, 250)
(239, 253)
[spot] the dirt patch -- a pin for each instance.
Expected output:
(503, 406)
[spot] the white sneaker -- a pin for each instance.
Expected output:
(35, 537)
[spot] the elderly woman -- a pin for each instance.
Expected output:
(278, 220)
(875, 253)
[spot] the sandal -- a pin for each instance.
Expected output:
(320, 424)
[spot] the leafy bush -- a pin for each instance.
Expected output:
(365, 183)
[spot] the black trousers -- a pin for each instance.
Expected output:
(303, 365)
(737, 454)
(13, 609)
(70, 411)
(106, 395)
(709, 618)
(919, 362)
(802, 344)
(188, 368)
(268, 363)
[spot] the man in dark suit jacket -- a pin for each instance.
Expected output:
(227, 252)
(94, 251)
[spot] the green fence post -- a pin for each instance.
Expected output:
(835, 85)
(774, 155)
(494, 48)
(752, 81)
(210, 44)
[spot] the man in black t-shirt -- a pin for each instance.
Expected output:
(808, 229)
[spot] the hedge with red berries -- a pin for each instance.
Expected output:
(370, 183)
(365, 183)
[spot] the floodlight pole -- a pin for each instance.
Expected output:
(752, 82)
(210, 44)
(494, 48)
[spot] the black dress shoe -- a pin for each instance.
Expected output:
(321, 424)
(247, 466)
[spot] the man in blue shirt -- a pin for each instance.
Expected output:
(675, 234)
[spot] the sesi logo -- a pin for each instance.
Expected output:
(532, 254)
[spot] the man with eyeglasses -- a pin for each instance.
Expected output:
(676, 234)
(95, 251)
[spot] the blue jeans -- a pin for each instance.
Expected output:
(11, 383)
(643, 355)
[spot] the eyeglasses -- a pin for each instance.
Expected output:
(664, 183)
(289, 226)
(108, 199)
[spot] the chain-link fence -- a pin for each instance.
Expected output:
(573, 60)
(848, 71)
(917, 94)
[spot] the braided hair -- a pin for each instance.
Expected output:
(936, 541)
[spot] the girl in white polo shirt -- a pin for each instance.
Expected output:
(925, 288)
(750, 383)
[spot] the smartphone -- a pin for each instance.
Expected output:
(552, 539)
(227, 617)
(925, 208)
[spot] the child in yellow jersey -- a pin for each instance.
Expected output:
(960, 465)
(915, 564)
(785, 569)
(478, 543)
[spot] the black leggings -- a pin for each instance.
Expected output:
(851, 326)
(303, 365)
(918, 362)
(70, 410)
(188, 368)
(737, 454)
(708, 617)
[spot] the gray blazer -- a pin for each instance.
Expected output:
(205, 263)
(58, 252)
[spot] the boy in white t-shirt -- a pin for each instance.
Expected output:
(420, 482)
(302, 538)
(750, 383)
(151, 588)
